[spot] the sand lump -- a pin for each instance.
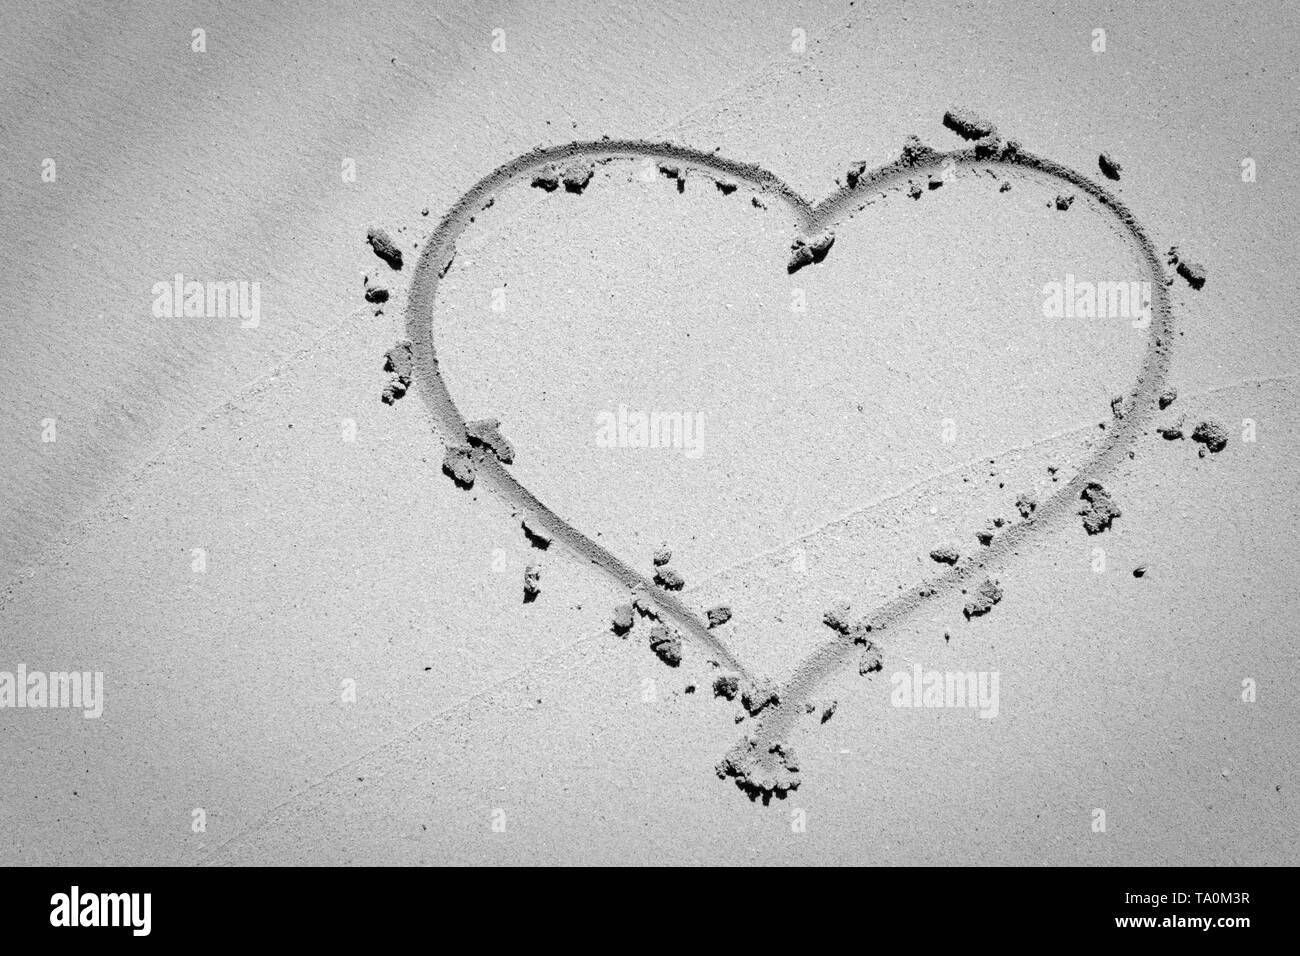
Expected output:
(982, 601)
(666, 645)
(726, 686)
(871, 661)
(1171, 432)
(384, 247)
(535, 535)
(756, 697)
(916, 152)
(968, 125)
(1212, 435)
(1100, 510)
(395, 389)
(1193, 272)
(761, 770)
(676, 173)
(459, 464)
(836, 617)
(486, 433)
(623, 619)
(806, 253)
(670, 579)
(576, 177)
(945, 555)
(643, 604)
(532, 583)
(398, 362)
(547, 179)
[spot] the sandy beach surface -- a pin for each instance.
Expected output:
(315, 646)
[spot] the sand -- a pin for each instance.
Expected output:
(355, 604)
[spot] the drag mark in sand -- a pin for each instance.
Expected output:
(762, 764)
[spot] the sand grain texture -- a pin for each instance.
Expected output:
(355, 676)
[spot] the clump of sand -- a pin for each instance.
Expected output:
(761, 771)
(982, 601)
(1100, 509)
(836, 617)
(532, 583)
(486, 433)
(803, 253)
(1212, 435)
(718, 615)
(666, 645)
(382, 243)
(623, 619)
(726, 686)
(967, 124)
(946, 554)
(459, 464)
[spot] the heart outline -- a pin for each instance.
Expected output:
(811, 219)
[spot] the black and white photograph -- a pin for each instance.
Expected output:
(680, 433)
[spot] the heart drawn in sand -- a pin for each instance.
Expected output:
(762, 763)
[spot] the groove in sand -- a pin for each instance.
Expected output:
(811, 219)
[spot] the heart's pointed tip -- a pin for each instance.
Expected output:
(761, 771)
